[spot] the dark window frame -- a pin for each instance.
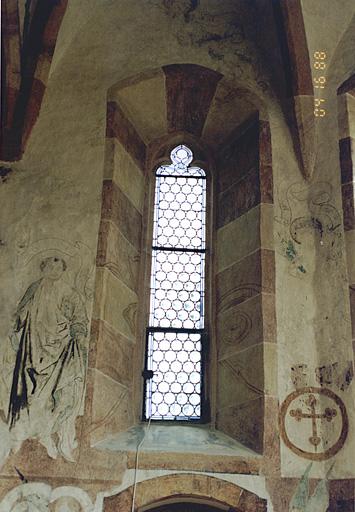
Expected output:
(204, 340)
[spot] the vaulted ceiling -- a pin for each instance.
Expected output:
(72, 54)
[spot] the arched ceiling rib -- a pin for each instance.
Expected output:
(184, 98)
(29, 40)
(102, 43)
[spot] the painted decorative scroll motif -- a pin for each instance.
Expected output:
(323, 220)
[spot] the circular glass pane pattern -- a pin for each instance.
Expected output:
(177, 290)
(173, 388)
(179, 213)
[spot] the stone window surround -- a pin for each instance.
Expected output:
(124, 411)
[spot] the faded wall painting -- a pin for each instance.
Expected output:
(40, 497)
(304, 501)
(327, 422)
(323, 219)
(44, 359)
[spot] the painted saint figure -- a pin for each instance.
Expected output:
(49, 374)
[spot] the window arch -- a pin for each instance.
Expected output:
(175, 335)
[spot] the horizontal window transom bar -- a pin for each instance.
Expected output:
(174, 329)
(184, 176)
(178, 249)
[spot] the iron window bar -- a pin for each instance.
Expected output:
(180, 176)
(178, 249)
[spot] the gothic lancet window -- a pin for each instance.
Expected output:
(173, 366)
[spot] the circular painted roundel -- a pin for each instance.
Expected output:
(313, 423)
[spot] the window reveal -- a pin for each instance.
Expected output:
(173, 368)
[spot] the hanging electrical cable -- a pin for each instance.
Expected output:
(136, 464)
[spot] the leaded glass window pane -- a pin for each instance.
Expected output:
(176, 320)
(177, 291)
(175, 389)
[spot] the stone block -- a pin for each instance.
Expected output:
(128, 176)
(342, 495)
(303, 107)
(120, 127)
(118, 208)
(350, 99)
(350, 254)
(272, 458)
(239, 198)
(251, 503)
(347, 159)
(352, 309)
(244, 422)
(241, 377)
(111, 407)
(270, 368)
(266, 184)
(239, 282)
(267, 226)
(109, 158)
(117, 254)
(268, 270)
(265, 165)
(113, 353)
(189, 461)
(240, 155)
(240, 327)
(246, 278)
(348, 206)
(341, 505)
(115, 303)
(238, 238)
(269, 317)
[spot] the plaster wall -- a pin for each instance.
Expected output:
(314, 328)
(52, 198)
(51, 204)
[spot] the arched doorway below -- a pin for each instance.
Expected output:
(198, 493)
(187, 504)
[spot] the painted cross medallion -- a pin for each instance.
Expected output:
(313, 423)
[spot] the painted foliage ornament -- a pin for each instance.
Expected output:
(313, 423)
